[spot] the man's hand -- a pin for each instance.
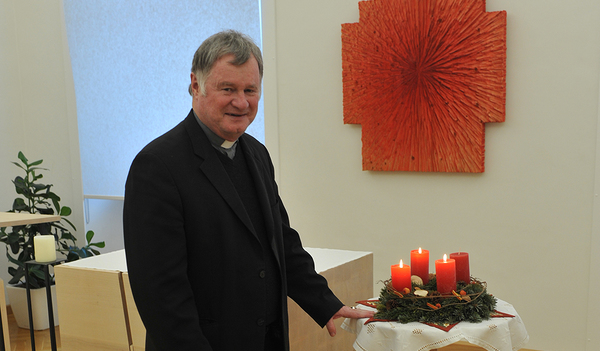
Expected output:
(347, 312)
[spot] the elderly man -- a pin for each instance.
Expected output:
(210, 253)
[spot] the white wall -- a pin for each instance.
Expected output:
(528, 221)
(37, 103)
(11, 128)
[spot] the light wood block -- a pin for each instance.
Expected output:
(4, 312)
(136, 326)
(351, 281)
(91, 309)
(97, 311)
(9, 219)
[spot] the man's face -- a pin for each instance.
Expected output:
(231, 101)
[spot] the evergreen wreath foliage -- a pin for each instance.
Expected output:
(470, 302)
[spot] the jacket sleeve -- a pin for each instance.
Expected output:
(305, 286)
(155, 246)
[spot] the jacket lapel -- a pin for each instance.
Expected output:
(263, 195)
(212, 168)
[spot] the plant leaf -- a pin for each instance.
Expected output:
(22, 157)
(38, 273)
(71, 224)
(65, 211)
(72, 256)
(100, 244)
(35, 163)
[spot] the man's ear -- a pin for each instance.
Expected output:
(195, 86)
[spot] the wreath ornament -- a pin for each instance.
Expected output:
(469, 302)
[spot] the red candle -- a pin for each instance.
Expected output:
(401, 277)
(445, 273)
(419, 261)
(463, 272)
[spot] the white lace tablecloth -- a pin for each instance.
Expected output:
(495, 334)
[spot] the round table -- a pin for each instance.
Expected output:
(495, 334)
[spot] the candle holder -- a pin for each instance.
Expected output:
(469, 302)
(46, 270)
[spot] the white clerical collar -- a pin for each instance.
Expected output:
(228, 144)
(225, 146)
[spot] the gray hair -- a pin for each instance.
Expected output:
(218, 45)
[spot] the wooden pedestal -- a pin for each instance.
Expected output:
(97, 312)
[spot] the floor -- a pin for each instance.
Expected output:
(20, 340)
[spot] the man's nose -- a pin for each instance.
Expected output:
(240, 101)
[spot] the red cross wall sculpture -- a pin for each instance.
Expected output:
(423, 77)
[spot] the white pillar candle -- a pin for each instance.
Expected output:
(44, 248)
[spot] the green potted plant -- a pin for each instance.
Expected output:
(35, 197)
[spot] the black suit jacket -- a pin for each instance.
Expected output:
(195, 264)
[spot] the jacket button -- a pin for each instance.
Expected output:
(260, 322)
(262, 274)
